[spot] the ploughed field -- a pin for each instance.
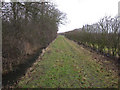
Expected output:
(66, 64)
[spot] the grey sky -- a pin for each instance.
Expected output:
(81, 12)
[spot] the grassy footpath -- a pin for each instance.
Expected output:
(67, 65)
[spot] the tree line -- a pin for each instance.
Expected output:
(103, 36)
(27, 27)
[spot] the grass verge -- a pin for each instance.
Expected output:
(67, 65)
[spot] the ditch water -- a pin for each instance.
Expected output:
(10, 79)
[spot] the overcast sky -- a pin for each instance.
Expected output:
(81, 12)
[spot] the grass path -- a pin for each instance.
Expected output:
(67, 65)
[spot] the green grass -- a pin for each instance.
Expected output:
(67, 65)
